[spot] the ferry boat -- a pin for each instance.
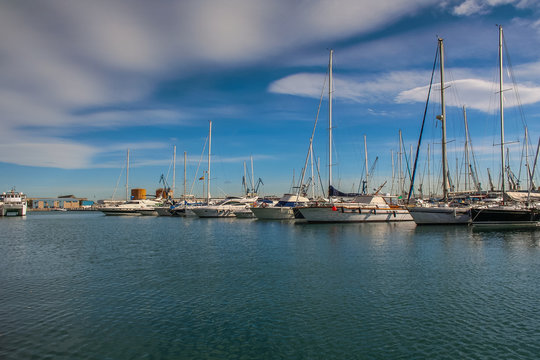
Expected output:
(13, 203)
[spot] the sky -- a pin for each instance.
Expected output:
(83, 81)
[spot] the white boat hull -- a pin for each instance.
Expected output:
(212, 212)
(273, 213)
(121, 212)
(342, 214)
(440, 215)
(13, 209)
(149, 212)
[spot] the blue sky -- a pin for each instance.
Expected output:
(80, 82)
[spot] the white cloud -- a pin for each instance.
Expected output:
(348, 88)
(471, 7)
(480, 94)
(400, 87)
(60, 57)
(50, 152)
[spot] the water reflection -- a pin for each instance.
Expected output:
(105, 287)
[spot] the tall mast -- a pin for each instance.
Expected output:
(366, 163)
(429, 170)
(174, 172)
(208, 172)
(527, 167)
(443, 124)
(245, 180)
(400, 165)
(185, 173)
(501, 102)
(127, 176)
(313, 182)
(330, 84)
(467, 164)
(393, 173)
(252, 177)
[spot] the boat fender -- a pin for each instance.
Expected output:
(394, 213)
(359, 211)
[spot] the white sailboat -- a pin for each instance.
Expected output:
(131, 207)
(442, 212)
(362, 208)
(229, 205)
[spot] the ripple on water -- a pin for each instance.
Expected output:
(87, 286)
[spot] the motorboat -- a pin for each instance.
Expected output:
(132, 208)
(282, 210)
(225, 208)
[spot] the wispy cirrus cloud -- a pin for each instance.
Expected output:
(348, 88)
(61, 58)
(64, 61)
(410, 86)
(472, 7)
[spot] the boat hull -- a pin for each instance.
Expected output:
(163, 211)
(13, 209)
(121, 212)
(505, 217)
(440, 215)
(247, 214)
(342, 214)
(273, 213)
(206, 212)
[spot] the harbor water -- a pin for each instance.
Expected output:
(87, 286)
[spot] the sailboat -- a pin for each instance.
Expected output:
(504, 214)
(443, 212)
(362, 207)
(229, 205)
(131, 207)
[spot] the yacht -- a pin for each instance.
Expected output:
(225, 208)
(131, 208)
(282, 210)
(13, 203)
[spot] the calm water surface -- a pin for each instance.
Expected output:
(87, 286)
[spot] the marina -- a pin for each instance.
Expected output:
(285, 238)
